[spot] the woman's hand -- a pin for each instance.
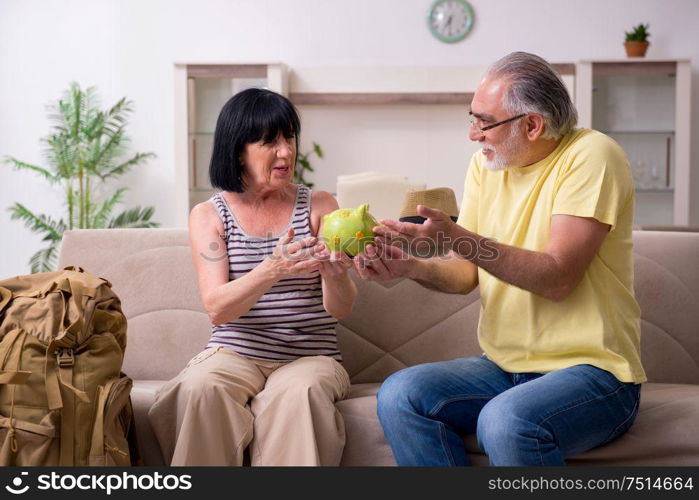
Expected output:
(332, 264)
(291, 258)
(339, 291)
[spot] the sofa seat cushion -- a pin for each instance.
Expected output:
(666, 431)
(365, 444)
(142, 398)
(359, 410)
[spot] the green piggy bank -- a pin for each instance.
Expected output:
(349, 230)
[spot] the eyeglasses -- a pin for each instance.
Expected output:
(476, 122)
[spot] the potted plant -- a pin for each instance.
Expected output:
(636, 42)
(303, 165)
(85, 148)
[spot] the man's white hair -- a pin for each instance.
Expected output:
(534, 87)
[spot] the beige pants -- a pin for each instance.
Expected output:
(223, 401)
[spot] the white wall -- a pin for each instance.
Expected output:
(128, 47)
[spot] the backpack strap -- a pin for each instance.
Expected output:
(97, 456)
(5, 298)
(67, 444)
(59, 370)
(15, 376)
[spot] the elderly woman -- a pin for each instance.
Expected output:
(270, 374)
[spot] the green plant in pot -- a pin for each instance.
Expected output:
(637, 42)
(85, 149)
(303, 165)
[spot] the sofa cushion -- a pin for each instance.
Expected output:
(365, 443)
(142, 398)
(664, 433)
(400, 323)
(151, 271)
(666, 283)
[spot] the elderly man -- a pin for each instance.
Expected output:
(545, 230)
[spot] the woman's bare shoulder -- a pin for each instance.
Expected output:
(204, 214)
(323, 202)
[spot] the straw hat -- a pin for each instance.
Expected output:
(442, 198)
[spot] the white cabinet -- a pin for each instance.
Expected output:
(645, 106)
(201, 90)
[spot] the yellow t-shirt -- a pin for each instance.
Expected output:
(587, 175)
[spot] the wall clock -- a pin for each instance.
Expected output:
(450, 20)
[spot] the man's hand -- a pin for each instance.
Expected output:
(383, 262)
(434, 234)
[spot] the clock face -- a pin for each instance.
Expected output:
(450, 20)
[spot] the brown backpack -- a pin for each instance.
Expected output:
(63, 397)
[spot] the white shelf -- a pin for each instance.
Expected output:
(644, 104)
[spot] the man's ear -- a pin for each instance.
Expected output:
(535, 124)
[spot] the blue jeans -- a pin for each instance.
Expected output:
(519, 418)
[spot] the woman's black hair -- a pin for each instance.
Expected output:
(249, 116)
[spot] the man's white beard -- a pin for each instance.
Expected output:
(500, 161)
(497, 163)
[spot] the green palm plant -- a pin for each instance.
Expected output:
(84, 150)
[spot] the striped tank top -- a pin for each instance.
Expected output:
(289, 321)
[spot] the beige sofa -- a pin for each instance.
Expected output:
(398, 324)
